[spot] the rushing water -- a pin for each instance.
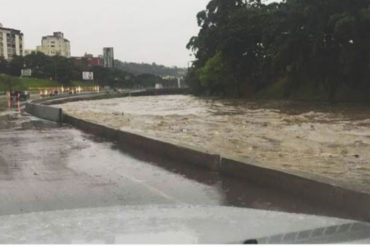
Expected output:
(330, 141)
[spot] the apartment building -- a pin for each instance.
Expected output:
(54, 45)
(11, 43)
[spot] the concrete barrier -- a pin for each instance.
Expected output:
(91, 128)
(46, 100)
(150, 145)
(317, 190)
(161, 91)
(169, 150)
(107, 95)
(65, 99)
(45, 112)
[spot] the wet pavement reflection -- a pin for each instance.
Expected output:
(238, 192)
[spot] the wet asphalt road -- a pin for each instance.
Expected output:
(46, 166)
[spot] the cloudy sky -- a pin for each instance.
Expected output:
(139, 30)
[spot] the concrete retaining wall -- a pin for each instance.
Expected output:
(318, 190)
(65, 99)
(45, 112)
(107, 95)
(149, 145)
(162, 91)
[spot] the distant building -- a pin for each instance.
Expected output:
(55, 44)
(93, 61)
(28, 52)
(11, 43)
(90, 59)
(108, 57)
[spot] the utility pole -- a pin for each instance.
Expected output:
(55, 69)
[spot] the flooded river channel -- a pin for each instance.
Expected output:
(330, 141)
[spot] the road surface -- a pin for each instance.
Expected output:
(46, 166)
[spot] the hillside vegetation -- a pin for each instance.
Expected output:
(59, 70)
(154, 69)
(8, 83)
(294, 49)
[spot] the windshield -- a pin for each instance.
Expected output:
(198, 117)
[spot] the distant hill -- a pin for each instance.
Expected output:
(155, 69)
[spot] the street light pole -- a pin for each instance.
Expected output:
(55, 69)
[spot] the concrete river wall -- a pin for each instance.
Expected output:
(315, 189)
(45, 112)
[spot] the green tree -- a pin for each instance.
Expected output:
(322, 45)
(9, 83)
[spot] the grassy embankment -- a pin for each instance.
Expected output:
(17, 83)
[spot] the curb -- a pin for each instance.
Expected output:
(150, 145)
(355, 203)
(45, 112)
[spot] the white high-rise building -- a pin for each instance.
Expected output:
(11, 43)
(54, 45)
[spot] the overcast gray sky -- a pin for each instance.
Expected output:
(139, 30)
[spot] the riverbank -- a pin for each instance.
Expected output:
(332, 143)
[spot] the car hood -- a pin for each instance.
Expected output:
(176, 225)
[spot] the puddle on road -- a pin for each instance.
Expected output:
(330, 141)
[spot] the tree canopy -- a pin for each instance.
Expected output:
(245, 47)
(154, 69)
(65, 70)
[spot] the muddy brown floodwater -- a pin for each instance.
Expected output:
(325, 140)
